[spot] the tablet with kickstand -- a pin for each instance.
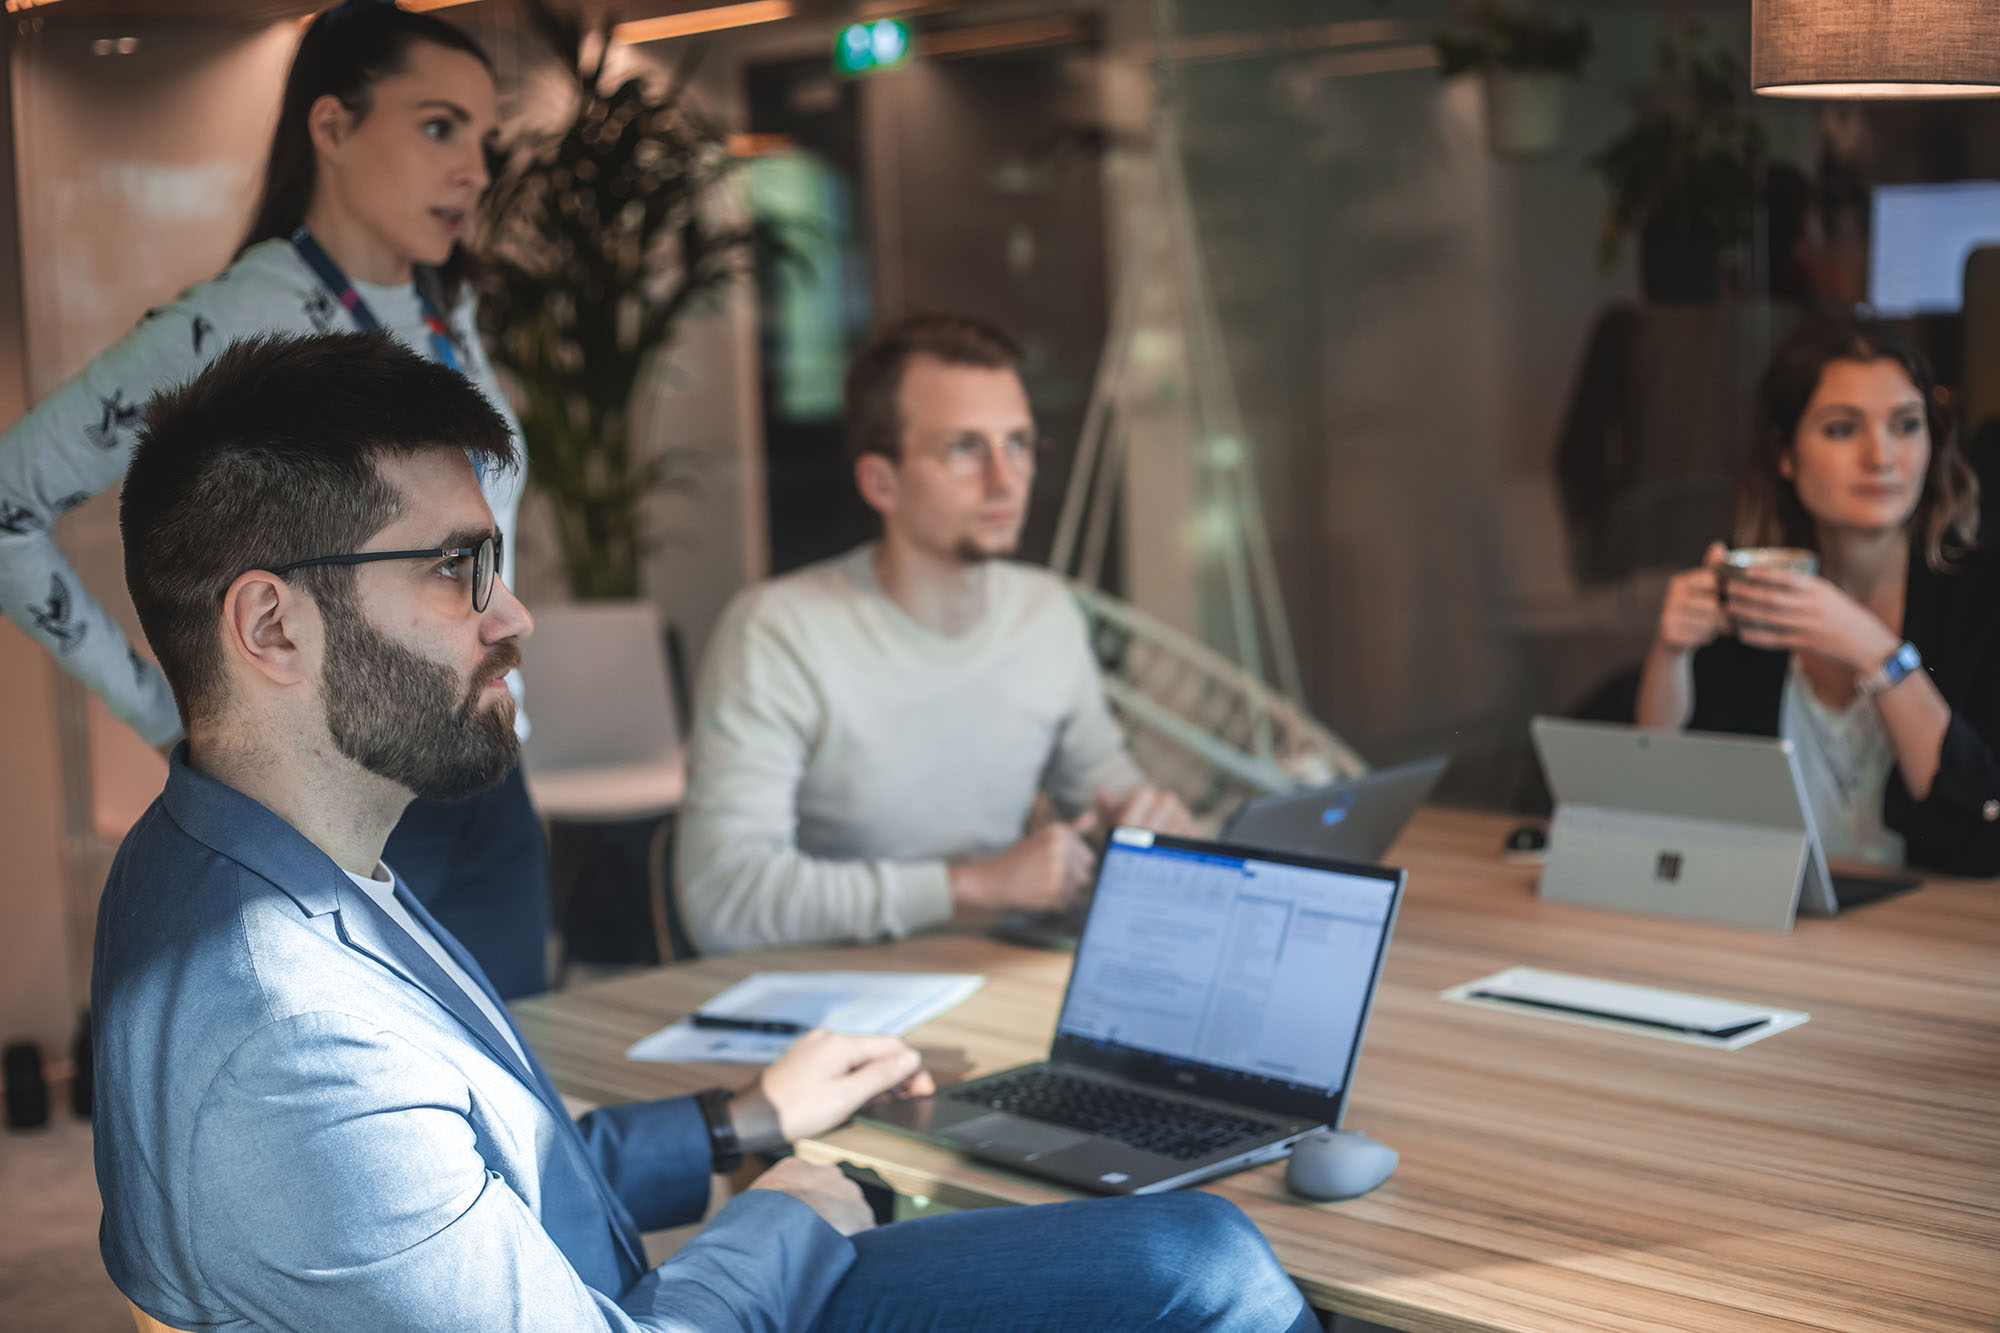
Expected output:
(1688, 824)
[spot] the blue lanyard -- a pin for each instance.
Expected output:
(330, 276)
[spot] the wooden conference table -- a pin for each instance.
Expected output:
(1843, 1175)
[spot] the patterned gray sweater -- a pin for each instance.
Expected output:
(78, 440)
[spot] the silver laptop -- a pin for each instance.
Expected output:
(1213, 1017)
(1686, 824)
(1355, 819)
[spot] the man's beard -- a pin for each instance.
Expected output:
(403, 717)
(970, 552)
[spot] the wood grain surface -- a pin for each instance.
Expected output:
(1844, 1175)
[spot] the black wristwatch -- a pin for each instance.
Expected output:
(725, 1154)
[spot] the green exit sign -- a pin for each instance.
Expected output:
(869, 48)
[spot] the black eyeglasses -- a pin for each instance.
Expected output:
(484, 558)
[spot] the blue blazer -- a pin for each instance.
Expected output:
(303, 1124)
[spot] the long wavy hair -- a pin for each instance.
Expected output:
(347, 51)
(1945, 523)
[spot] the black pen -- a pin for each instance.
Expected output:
(777, 1027)
(1719, 1034)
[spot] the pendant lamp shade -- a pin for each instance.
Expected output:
(1875, 48)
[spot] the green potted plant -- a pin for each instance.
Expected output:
(1687, 175)
(1526, 59)
(601, 235)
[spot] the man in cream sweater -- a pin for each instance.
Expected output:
(873, 731)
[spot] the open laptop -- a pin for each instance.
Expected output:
(1354, 819)
(1687, 824)
(1213, 1016)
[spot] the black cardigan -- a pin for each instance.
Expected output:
(1954, 620)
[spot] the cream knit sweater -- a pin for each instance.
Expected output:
(844, 754)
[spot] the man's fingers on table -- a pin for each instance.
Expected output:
(919, 1084)
(1079, 868)
(1152, 808)
(820, 1055)
(883, 1071)
(860, 1048)
(1174, 819)
(1143, 810)
(866, 1067)
(947, 1064)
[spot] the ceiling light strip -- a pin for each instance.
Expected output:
(702, 20)
(1002, 36)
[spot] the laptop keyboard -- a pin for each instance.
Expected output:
(1152, 1124)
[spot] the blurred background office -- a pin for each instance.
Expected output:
(1409, 342)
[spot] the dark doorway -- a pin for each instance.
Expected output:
(974, 184)
(815, 304)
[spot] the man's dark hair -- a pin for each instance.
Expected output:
(875, 377)
(269, 456)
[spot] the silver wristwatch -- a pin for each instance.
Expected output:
(1899, 664)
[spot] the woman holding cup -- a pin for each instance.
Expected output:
(1859, 617)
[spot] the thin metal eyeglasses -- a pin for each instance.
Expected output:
(485, 559)
(965, 456)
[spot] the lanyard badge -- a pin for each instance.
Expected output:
(443, 348)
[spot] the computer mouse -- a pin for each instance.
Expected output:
(1526, 843)
(1330, 1164)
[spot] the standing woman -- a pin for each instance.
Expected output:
(375, 170)
(1883, 669)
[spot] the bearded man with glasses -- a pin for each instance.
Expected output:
(313, 1112)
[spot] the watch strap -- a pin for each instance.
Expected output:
(725, 1152)
(1894, 668)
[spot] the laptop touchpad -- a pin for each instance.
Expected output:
(1009, 1133)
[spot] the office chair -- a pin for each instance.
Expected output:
(604, 743)
(606, 751)
(1197, 722)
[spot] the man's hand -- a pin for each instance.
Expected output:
(819, 1083)
(1151, 808)
(1043, 872)
(823, 1189)
(1799, 612)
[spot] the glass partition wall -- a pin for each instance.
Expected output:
(1492, 334)
(1366, 391)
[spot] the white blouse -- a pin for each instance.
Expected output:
(1844, 758)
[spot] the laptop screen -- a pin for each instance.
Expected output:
(1235, 974)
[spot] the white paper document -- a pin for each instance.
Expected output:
(866, 1002)
(1701, 1020)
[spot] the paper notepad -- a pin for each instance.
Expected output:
(1701, 1020)
(889, 1003)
